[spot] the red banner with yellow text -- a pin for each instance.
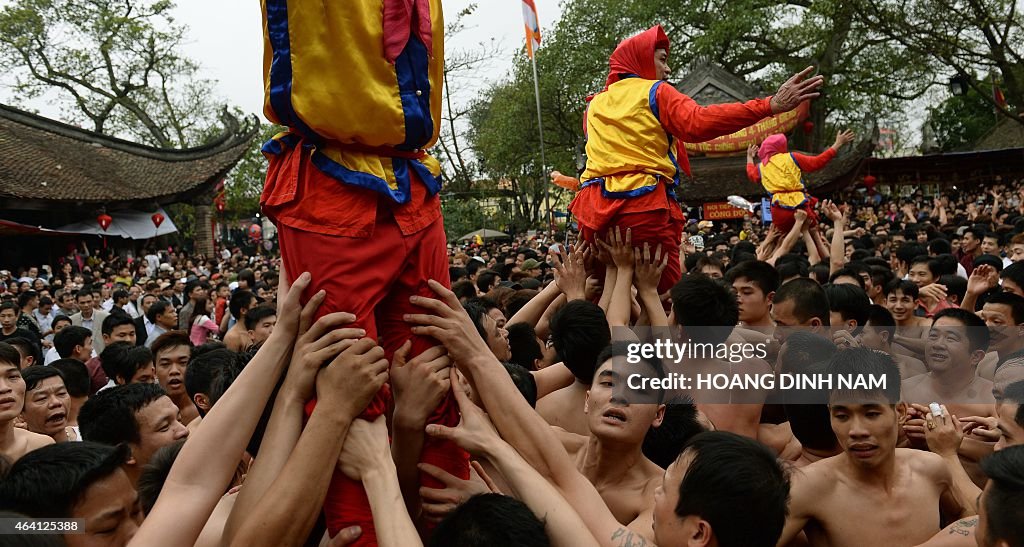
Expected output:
(721, 210)
(739, 141)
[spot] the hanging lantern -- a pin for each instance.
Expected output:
(808, 127)
(255, 232)
(104, 220)
(220, 205)
(157, 219)
(870, 181)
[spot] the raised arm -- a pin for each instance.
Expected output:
(753, 174)
(837, 253)
(534, 309)
(791, 238)
(517, 423)
(207, 462)
(646, 278)
(944, 439)
(621, 252)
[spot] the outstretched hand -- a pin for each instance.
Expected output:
(447, 322)
(796, 90)
(843, 138)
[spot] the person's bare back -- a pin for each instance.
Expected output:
(237, 338)
(838, 505)
(21, 442)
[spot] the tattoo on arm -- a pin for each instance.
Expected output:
(963, 528)
(627, 538)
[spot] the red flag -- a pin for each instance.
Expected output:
(997, 95)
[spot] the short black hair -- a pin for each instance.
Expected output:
(705, 307)
(247, 275)
(26, 348)
(211, 373)
(522, 339)
(109, 416)
(762, 274)
(116, 319)
(977, 332)
(157, 309)
(939, 246)
(1014, 272)
(1003, 500)
(663, 444)
(23, 298)
(68, 338)
(456, 273)
(849, 301)
(464, 289)
(10, 305)
(729, 471)
(485, 279)
(10, 355)
(955, 286)
(579, 331)
(170, 339)
(123, 360)
(76, 376)
(855, 362)
(881, 319)
(240, 299)
(524, 382)
(905, 286)
(909, 251)
(257, 314)
(487, 520)
(809, 299)
(47, 482)
(847, 272)
(34, 375)
(1014, 301)
(1014, 393)
(154, 474)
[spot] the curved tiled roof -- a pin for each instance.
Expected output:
(46, 160)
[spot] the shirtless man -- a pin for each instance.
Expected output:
(755, 283)
(14, 442)
(1003, 313)
(579, 331)
(237, 338)
(878, 334)
(611, 456)
(872, 493)
(911, 330)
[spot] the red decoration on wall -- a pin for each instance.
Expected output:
(104, 220)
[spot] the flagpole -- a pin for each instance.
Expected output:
(540, 130)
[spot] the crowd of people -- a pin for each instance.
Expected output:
(161, 399)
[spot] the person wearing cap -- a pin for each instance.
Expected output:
(531, 267)
(634, 130)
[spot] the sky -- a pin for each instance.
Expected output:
(226, 38)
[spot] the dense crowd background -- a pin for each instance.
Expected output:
(136, 352)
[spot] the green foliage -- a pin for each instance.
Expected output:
(961, 120)
(112, 63)
(464, 214)
(244, 184)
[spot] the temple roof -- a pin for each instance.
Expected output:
(44, 162)
(708, 83)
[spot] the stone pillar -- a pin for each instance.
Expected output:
(204, 230)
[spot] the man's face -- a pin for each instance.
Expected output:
(498, 316)
(969, 243)
(134, 292)
(497, 339)
(12, 391)
(104, 292)
(8, 319)
(846, 280)
(197, 292)
(1017, 252)
(147, 301)
(85, 305)
(170, 369)
(264, 293)
(711, 271)
(121, 333)
(179, 285)
(158, 427)
(1003, 332)
(753, 303)
(68, 302)
(610, 415)
(263, 329)
(224, 292)
(873, 338)
(168, 319)
(867, 429)
(1010, 286)
(1010, 432)
(84, 352)
(146, 374)
(111, 511)
(669, 529)
(900, 305)
(990, 246)
(33, 272)
(661, 69)
(922, 237)
(784, 315)
(921, 275)
(948, 346)
(45, 310)
(47, 406)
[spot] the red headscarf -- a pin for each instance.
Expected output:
(635, 55)
(775, 144)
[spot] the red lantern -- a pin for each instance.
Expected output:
(255, 232)
(157, 219)
(808, 127)
(870, 181)
(220, 206)
(104, 220)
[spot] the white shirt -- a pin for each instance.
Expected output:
(107, 304)
(51, 356)
(129, 308)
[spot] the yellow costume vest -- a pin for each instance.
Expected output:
(783, 179)
(364, 120)
(628, 150)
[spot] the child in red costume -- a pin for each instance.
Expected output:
(350, 187)
(634, 128)
(781, 174)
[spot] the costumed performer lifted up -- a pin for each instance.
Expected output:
(351, 188)
(635, 128)
(781, 175)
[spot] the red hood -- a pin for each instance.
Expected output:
(775, 144)
(635, 55)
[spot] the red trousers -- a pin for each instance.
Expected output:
(373, 278)
(652, 227)
(783, 218)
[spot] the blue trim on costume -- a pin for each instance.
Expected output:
(281, 68)
(412, 71)
(345, 175)
(433, 183)
(276, 146)
(652, 100)
(618, 195)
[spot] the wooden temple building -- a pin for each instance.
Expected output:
(53, 174)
